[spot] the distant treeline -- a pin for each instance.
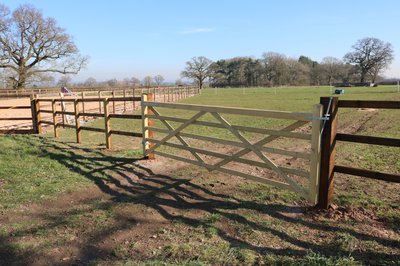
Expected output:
(275, 69)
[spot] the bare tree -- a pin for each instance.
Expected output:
(197, 69)
(31, 45)
(64, 81)
(147, 81)
(370, 55)
(158, 80)
(90, 82)
(275, 68)
(135, 82)
(331, 67)
(112, 82)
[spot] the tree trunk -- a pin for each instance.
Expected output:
(20, 82)
(362, 79)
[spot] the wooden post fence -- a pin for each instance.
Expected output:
(328, 151)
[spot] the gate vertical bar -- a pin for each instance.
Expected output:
(328, 151)
(315, 153)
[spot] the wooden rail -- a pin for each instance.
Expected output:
(330, 137)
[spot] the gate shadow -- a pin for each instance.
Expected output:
(113, 176)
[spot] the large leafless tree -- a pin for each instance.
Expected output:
(197, 69)
(32, 45)
(370, 56)
(158, 79)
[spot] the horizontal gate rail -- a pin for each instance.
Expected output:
(152, 145)
(279, 133)
(301, 116)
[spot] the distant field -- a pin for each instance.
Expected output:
(81, 204)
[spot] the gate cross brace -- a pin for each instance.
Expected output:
(176, 131)
(261, 155)
(168, 125)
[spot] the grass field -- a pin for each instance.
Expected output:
(64, 203)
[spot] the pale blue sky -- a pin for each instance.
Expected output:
(137, 38)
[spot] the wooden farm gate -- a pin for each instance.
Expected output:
(174, 132)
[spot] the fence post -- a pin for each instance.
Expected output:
(38, 116)
(328, 151)
(124, 101)
(107, 123)
(77, 121)
(315, 154)
(146, 122)
(99, 101)
(62, 109)
(133, 102)
(83, 101)
(113, 95)
(55, 122)
(34, 117)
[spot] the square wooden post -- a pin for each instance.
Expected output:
(38, 116)
(54, 113)
(315, 153)
(328, 151)
(35, 125)
(99, 92)
(77, 121)
(133, 102)
(147, 122)
(107, 123)
(83, 101)
(124, 101)
(113, 95)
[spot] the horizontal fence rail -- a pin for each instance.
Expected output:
(330, 136)
(151, 113)
(121, 100)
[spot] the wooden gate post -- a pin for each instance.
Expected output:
(328, 151)
(146, 122)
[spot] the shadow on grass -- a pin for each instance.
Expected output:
(113, 175)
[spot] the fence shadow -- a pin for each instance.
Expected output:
(163, 193)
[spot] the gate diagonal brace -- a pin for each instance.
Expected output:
(176, 131)
(182, 140)
(256, 150)
(261, 142)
